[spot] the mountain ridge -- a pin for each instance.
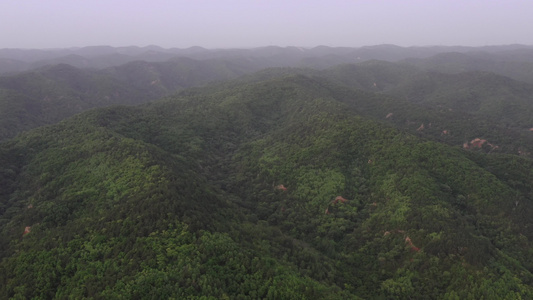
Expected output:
(230, 190)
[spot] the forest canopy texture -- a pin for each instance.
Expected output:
(398, 178)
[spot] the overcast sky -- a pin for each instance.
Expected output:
(253, 23)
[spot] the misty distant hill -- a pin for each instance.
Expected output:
(53, 92)
(98, 57)
(433, 83)
(516, 64)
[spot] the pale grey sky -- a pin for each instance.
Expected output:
(253, 23)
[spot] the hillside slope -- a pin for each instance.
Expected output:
(280, 188)
(479, 111)
(53, 93)
(50, 90)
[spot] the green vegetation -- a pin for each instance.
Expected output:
(52, 93)
(288, 184)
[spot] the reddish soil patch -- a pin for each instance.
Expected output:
(281, 187)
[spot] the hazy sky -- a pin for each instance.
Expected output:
(252, 23)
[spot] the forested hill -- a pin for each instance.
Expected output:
(452, 108)
(492, 112)
(41, 87)
(287, 187)
(52, 93)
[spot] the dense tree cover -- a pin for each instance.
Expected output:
(283, 188)
(58, 83)
(109, 216)
(52, 93)
(454, 109)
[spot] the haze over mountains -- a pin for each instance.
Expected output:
(379, 172)
(424, 76)
(98, 57)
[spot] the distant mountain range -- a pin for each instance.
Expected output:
(100, 57)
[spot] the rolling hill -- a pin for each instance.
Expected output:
(52, 93)
(285, 184)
